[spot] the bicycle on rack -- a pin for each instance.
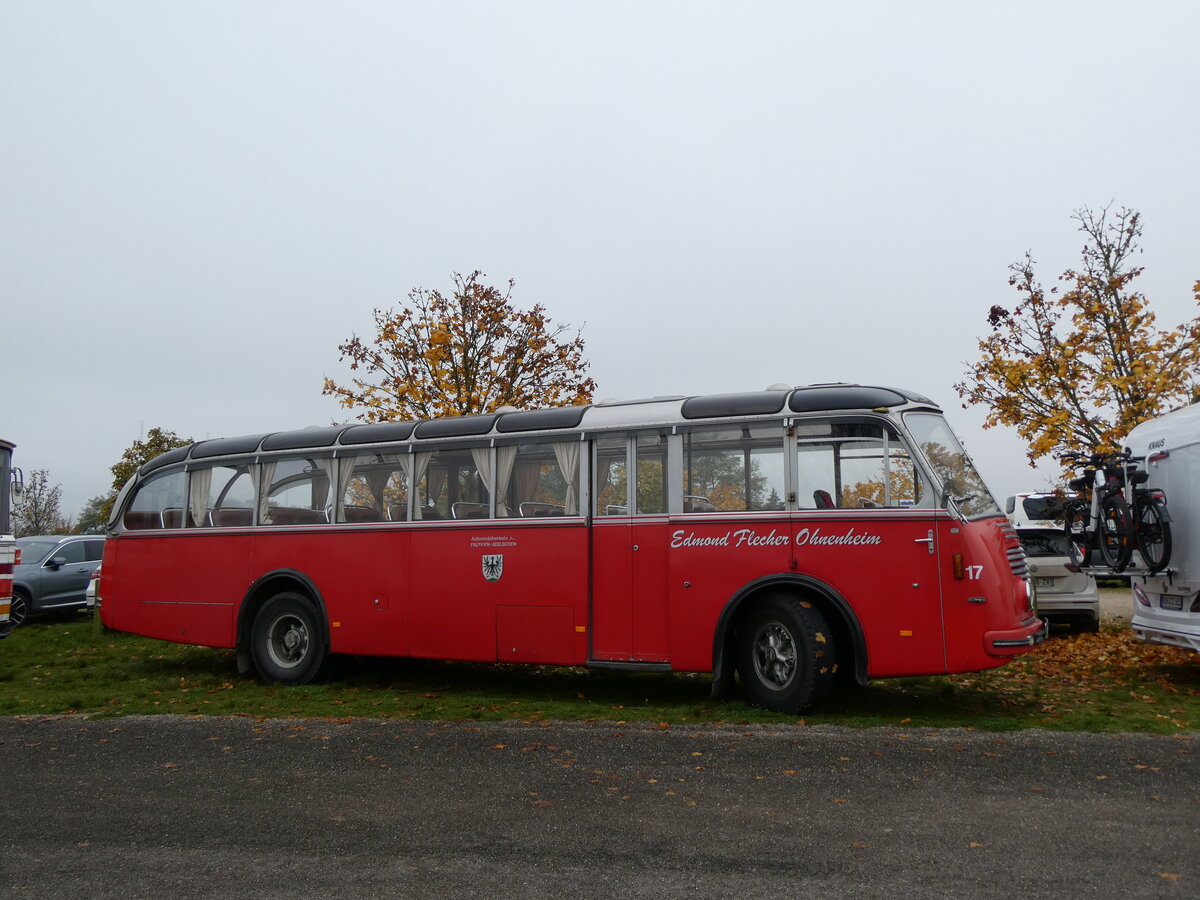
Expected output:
(1151, 521)
(1113, 513)
(1098, 520)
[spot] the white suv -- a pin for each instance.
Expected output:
(1064, 592)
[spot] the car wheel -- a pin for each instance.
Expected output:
(20, 608)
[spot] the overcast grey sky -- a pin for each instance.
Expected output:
(199, 201)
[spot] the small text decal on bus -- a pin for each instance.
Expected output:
(493, 566)
(805, 536)
(748, 537)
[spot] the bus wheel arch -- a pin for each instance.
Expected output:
(283, 629)
(830, 608)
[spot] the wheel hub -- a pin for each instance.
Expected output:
(775, 655)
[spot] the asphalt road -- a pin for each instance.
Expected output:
(207, 807)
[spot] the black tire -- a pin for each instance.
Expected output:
(786, 655)
(19, 611)
(286, 642)
(1079, 543)
(1153, 536)
(1116, 532)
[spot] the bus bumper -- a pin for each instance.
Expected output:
(1014, 641)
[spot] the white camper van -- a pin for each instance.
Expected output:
(1166, 607)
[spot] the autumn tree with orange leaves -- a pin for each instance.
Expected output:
(470, 352)
(1077, 370)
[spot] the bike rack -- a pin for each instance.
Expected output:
(1131, 571)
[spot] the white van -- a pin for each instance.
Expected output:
(1166, 608)
(1065, 593)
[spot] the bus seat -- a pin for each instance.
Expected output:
(295, 515)
(823, 500)
(538, 508)
(142, 519)
(464, 510)
(172, 518)
(430, 513)
(231, 517)
(697, 504)
(398, 512)
(360, 514)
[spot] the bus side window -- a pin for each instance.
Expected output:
(650, 472)
(734, 469)
(217, 495)
(157, 493)
(375, 487)
(858, 466)
(538, 479)
(296, 492)
(450, 483)
(877, 473)
(610, 491)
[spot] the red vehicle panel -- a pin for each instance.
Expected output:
(452, 611)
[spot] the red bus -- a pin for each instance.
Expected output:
(9, 554)
(781, 535)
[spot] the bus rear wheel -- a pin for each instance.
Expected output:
(286, 641)
(786, 656)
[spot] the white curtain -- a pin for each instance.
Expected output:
(332, 502)
(567, 454)
(407, 463)
(528, 473)
(416, 471)
(252, 471)
(505, 458)
(483, 465)
(199, 484)
(264, 493)
(345, 473)
(377, 477)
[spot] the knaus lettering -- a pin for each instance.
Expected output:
(748, 537)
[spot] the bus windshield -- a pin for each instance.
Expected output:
(949, 461)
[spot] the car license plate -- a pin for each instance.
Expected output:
(1166, 601)
(1043, 582)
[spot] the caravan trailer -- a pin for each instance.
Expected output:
(1166, 606)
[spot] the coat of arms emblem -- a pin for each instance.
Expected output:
(493, 566)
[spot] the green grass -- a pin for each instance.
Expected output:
(1104, 682)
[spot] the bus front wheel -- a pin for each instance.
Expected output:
(786, 655)
(286, 640)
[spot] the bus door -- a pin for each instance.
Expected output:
(864, 532)
(629, 610)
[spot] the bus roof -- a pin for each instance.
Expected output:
(598, 417)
